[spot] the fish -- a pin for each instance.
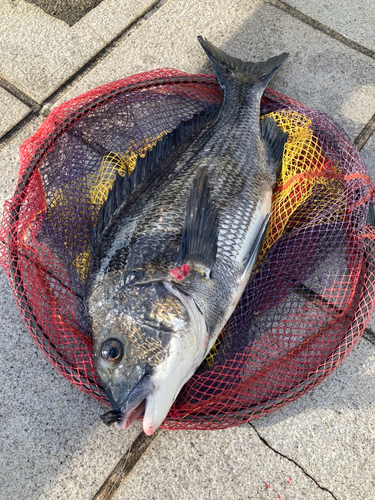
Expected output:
(176, 241)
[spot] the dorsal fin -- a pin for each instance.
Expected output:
(123, 186)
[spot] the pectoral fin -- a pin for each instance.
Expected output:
(252, 256)
(201, 227)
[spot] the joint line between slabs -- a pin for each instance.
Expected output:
(266, 443)
(125, 466)
(36, 108)
(368, 129)
(365, 134)
(21, 96)
(321, 27)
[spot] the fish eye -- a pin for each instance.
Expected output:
(111, 351)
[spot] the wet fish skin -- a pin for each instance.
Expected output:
(163, 282)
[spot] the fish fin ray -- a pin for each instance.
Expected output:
(226, 65)
(252, 256)
(201, 226)
(274, 139)
(124, 185)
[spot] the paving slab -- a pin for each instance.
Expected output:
(12, 111)
(39, 52)
(110, 17)
(11, 13)
(10, 162)
(321, 72)
(354, 20)
(232, 464)
(330, 431)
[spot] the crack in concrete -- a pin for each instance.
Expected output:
(266, 443)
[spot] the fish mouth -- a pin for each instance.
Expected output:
(133, 406)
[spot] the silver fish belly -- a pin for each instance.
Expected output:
(176, 242)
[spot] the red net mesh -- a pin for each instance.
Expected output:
(310, 295)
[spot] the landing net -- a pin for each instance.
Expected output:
(311, 292)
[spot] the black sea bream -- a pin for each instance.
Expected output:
(176, 242)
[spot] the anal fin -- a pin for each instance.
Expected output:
(201, 227)
(252, 256)
(274, 139)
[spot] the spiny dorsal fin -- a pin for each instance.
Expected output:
(123, 186)
(201, 226)
(274, 139)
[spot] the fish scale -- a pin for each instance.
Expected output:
(170, 262)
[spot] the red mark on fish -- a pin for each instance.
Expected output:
(179, 273)
(268, 486)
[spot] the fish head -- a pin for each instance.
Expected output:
(148, 341)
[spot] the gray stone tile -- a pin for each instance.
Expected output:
(12, 111)
(39, 53)
(230, 464)
(330, 431)
(320, 72)
(355, 20)
(112, 16)
(12, 12)
(52, 444)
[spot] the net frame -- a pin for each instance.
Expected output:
(32, 153)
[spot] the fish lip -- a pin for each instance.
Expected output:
(131, 408)
(134, 405)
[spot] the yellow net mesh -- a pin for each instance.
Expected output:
(303, 167)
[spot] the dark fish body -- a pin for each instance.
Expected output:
(171, 256)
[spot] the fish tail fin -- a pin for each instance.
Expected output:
(226, 66)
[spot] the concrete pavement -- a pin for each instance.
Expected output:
(52, 445)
